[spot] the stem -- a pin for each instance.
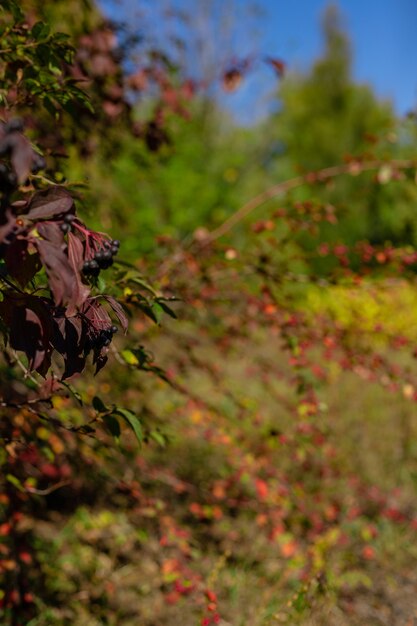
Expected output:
(318, 176)
(11, 285)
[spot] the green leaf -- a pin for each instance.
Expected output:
(158, 437)
(142, 357)
(55, 65)
(43, 52)
(99, 405)
(112, 425)
(74, 392)
(141, 283)
(129, 357)
(69, 107)
(40, 31)
(131, 419)
(13, 7)
(50, 106)
(61, 38)
(148, 311)
(101, 284)
(32, 85)
(166, 309)
(15, 481)
(300, 602)
(48, 453)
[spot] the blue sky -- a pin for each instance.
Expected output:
(383, 35)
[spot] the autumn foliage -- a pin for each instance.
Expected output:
(199, 435)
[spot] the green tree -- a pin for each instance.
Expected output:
(324, 114)
(326, 118)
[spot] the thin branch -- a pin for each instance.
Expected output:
(354, 169)
(26, 371)
(10, 284)
(323, 175)
(46, 492)
(26, 404)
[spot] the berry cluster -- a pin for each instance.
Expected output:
(68, 220)
(106, 335)
(102, 340)
(103, 258)
(38, 164)
(15, 125)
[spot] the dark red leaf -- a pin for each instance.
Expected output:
(138, 81)
(278, 65)
(100, 359)
(99, 319)
(118, 310)
(96, 314)
(50, 203)
(188, 89)
(75, 252)
(22, 155)
(77, 325)
(7, 224)
(69, 340)
(51, 231)
(28, 320)
(21, 264)
(232, 79)
(65, 283)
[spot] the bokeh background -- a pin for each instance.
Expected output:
(277, 478)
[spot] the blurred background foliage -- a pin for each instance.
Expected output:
(210, 166)
(136, 534)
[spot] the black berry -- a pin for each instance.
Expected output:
(39, 163)
(91, 268)
(65, 227)
(11, 179)
(6, 146)
(14, 125)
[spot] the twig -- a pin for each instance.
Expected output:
(325, 174)
(22, 405)
(10, 284)
(354, 168)
(46, 492)
(26, 371)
